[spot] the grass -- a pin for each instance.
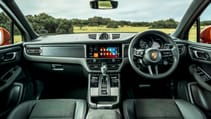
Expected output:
(192, 34)
(120, 29)
(104, 29)
(85, 29)
(17, 39)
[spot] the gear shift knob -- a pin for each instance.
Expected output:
(104, 69)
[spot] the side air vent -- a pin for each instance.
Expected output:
(93, 36)
(181, 48)
(115, 36)
(34, 51)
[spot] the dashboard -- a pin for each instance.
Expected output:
(89, 53)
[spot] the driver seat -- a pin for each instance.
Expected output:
(160, 109)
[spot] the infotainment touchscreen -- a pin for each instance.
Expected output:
(104, 52)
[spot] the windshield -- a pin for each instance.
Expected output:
(68, 16)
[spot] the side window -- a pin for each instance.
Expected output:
(201, 30)
(9, 33)
(193, 33)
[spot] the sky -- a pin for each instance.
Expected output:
(130, 10)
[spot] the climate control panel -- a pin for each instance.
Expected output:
(112, 64)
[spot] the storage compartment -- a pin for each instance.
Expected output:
(104, 90)
(56, 71)
(199, 96)
(10, 98)
(103, 99)
(106, 114)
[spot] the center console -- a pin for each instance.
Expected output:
(104, 63)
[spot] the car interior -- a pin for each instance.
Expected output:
(105, 75)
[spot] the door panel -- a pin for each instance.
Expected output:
(200, 91)
(11, 72)
(201, 57)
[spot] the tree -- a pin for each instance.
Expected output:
(112, 24)
(65, 26)
(205, 23)
(53, 25)
(123, 23)
(44, 21)
(169, 23)
(4, 21)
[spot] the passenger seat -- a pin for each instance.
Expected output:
(50, 109)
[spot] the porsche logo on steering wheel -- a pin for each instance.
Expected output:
(154, 55)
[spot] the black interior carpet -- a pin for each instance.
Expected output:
(65, 93)
(67, 90)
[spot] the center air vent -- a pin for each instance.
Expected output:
(104, 36)
(115, 36)
(34, 51)
(93, 36)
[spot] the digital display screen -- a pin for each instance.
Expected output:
(104, 52)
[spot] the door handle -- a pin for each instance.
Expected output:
(201, 55)
(9, 56)
(57, 67)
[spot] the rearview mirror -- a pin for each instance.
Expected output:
(205, 35)
(4, 37)
(103, 4)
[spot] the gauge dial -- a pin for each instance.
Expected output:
(145, 43)
(155, 44)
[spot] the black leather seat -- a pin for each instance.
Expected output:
(160, 109)
(50, 109)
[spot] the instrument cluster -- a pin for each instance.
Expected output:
(151, 42)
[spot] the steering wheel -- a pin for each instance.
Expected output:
(146, 62)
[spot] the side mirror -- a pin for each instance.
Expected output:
(205, 35)
(103, 4)
(4, 37)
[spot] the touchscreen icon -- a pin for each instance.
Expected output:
(96, 55)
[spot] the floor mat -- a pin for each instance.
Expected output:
(73, 93)
(64, 91)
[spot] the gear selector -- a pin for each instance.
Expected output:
(104, 69)
(104, 80)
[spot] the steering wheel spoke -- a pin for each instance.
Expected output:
(138, 52)
(2, 81)
(166, 53)
(156, 70)
(206, 79)
(151, 71)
